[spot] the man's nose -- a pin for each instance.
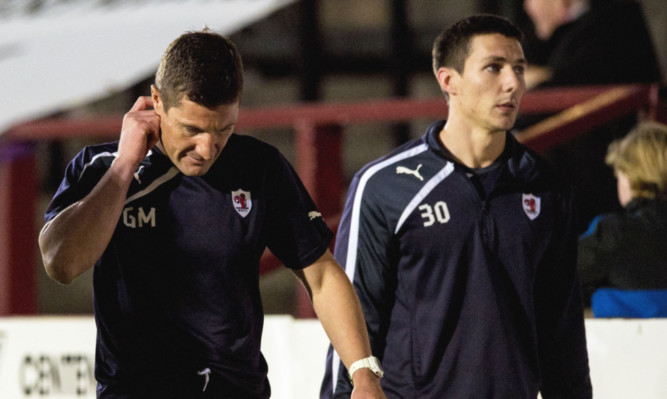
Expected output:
(206, 146)
(512, 80)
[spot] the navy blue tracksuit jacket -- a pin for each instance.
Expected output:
(467, 278)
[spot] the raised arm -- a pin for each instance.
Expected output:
(75, 239)
(339, 311)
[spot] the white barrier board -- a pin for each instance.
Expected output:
(628, 358)
(47, 357)
(53, 357)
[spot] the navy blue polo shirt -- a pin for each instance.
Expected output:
(176, 290)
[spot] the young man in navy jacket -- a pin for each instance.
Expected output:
(461, 244)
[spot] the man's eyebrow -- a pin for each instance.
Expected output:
(188, 125)
(497, 58)
(226, 127)
(192, 126)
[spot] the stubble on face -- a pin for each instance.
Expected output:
(492, 84)
(193, 136)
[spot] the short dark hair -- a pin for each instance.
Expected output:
(451, 47)
(204, 66)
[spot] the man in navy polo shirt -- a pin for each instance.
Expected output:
(175, 217)
(461, 244)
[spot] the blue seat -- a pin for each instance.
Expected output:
(613, 302)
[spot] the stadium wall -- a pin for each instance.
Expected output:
(53, 357)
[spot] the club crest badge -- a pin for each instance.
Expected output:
(242, 202)
(531, 205)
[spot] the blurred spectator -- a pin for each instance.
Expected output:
(588, 42)
(582, 42)
(623, 257)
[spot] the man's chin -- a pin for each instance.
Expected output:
(193, 170)
(507, 124)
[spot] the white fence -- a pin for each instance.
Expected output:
(52, 357)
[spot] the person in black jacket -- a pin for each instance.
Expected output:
(461, 244)
(581, 43)
(623, 256)
(587, 42)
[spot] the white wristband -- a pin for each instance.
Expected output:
(372, 363)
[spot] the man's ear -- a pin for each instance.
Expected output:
(158, 105)
(447, 79)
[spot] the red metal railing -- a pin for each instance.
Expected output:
(319, 130)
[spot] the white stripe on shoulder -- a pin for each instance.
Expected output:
(171, 173)
(353, 241)
(350, 263)
(428, 187)
(102, 155)
(95, 158)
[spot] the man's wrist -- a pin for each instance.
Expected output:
(122, 172)
(371, 363)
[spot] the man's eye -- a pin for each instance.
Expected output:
(493, 68)
(519, 69)
(228, 131)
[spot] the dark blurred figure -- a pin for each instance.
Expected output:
(582, 43)
(586, 42)
(623, 256)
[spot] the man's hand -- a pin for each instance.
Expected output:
(140, 132)
(366, 385)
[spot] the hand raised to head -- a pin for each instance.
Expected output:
(140, 131)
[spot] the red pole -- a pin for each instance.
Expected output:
(18, 240)
(320, 167)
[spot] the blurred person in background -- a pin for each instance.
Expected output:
(175, 217)
(461, 244)
(582, 42)
(623, 256)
